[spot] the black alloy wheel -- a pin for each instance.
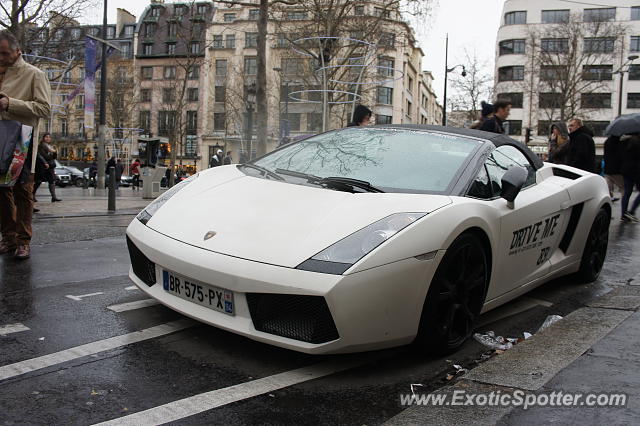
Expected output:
(455, 297)
(595, 249)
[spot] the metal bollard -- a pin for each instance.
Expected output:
(112, 189)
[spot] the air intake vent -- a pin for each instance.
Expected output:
(142, 267)
(565, 173)
(305, 318)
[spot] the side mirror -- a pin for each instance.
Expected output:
(512, 183)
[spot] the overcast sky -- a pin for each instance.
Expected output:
(471, 24)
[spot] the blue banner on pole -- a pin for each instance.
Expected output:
(90, 83)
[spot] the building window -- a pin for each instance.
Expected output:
(230, 17)
(166, 122)
(383, 119)
(149, 30)
(169, 73)
(386, 67)
(635, 13)
(219, 120)
(250, 66)
(250, 39)
(194, 47)
(202, 9)
(192, 122)
(145, 121)
(146, 73)
(178, 10)
(555, 16)
(516, 99)
(196, 29)
(554, 45)
(515, 18)
(172, 30)
(514, 73)
(634, 72)
(600, 15)
(167, 95)
(551, 72)
(410, 84)
(231, 41)
(512, 47)
(281, 40)
(384, 13)
(194, 72)
(128, 30)
(111, 32)
(294, 121)
(293, 66)
(409, 108)
(192, 94)
(221, 67)
(80, 102)
(254, 14)
(599, 44)
(125, 50)
(550, 100)
(358, 10)
(145, 95)
(515, 127)
(598, 127)
(155, 11)
(596, 100)
(171, 48)
(635, 44)
(385, 95)
(387, 40)
(147, 49)
(597, 72)
(217, 42)
(314, 122)
(296, 15)
(220, 93)
(76, 33)
(633, 100)
(64, 127)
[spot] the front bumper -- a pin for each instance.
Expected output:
(372, 309)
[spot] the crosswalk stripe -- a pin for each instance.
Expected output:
(130, 306)
(12, 328)
(196, 404)
(33, 364)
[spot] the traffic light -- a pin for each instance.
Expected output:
(527, 135)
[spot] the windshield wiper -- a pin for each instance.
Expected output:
(328, 181)
(308, 177)
(263, 170)
(355, 183)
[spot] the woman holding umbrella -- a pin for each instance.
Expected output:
(631, 175)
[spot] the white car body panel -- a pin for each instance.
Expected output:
(265, 228)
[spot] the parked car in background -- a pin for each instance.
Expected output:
(63, 177)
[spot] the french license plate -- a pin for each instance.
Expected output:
(211, 297)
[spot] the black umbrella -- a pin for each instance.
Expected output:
(624, 125)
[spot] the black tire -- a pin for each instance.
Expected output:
(455, 297)
(595, 249)
(79, 183)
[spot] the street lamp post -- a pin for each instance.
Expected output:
(447, 70)
(251, 98)
(622, 71)
(283, 135)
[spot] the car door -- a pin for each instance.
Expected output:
(531, 231)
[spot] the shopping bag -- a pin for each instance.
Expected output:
(15, 140)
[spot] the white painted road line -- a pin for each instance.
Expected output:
(80, 297)
(12, 328)
(22, 367)
(130, 306)
(131, 287)
(196, 404)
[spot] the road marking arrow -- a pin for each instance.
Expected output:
(80, 297)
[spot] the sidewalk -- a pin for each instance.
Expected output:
(87, 202)
(595, 349)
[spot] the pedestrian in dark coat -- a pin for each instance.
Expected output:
(582, 149)
(361, 116)
(46, 167)
(631, 174)
(119, 172)
(558, 143)
(495, 124)
(613, 157)
(227, 159)
(485, 114)
(216, 159)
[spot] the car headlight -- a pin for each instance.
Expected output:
(342, 255)
(145, 215)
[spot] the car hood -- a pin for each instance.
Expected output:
(274, 222)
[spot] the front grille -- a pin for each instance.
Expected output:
(305, 318)
(142, 267)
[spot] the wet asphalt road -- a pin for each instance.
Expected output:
(87, 256)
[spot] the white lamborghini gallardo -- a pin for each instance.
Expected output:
(366, 238)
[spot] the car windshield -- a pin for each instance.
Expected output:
(395, 160)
